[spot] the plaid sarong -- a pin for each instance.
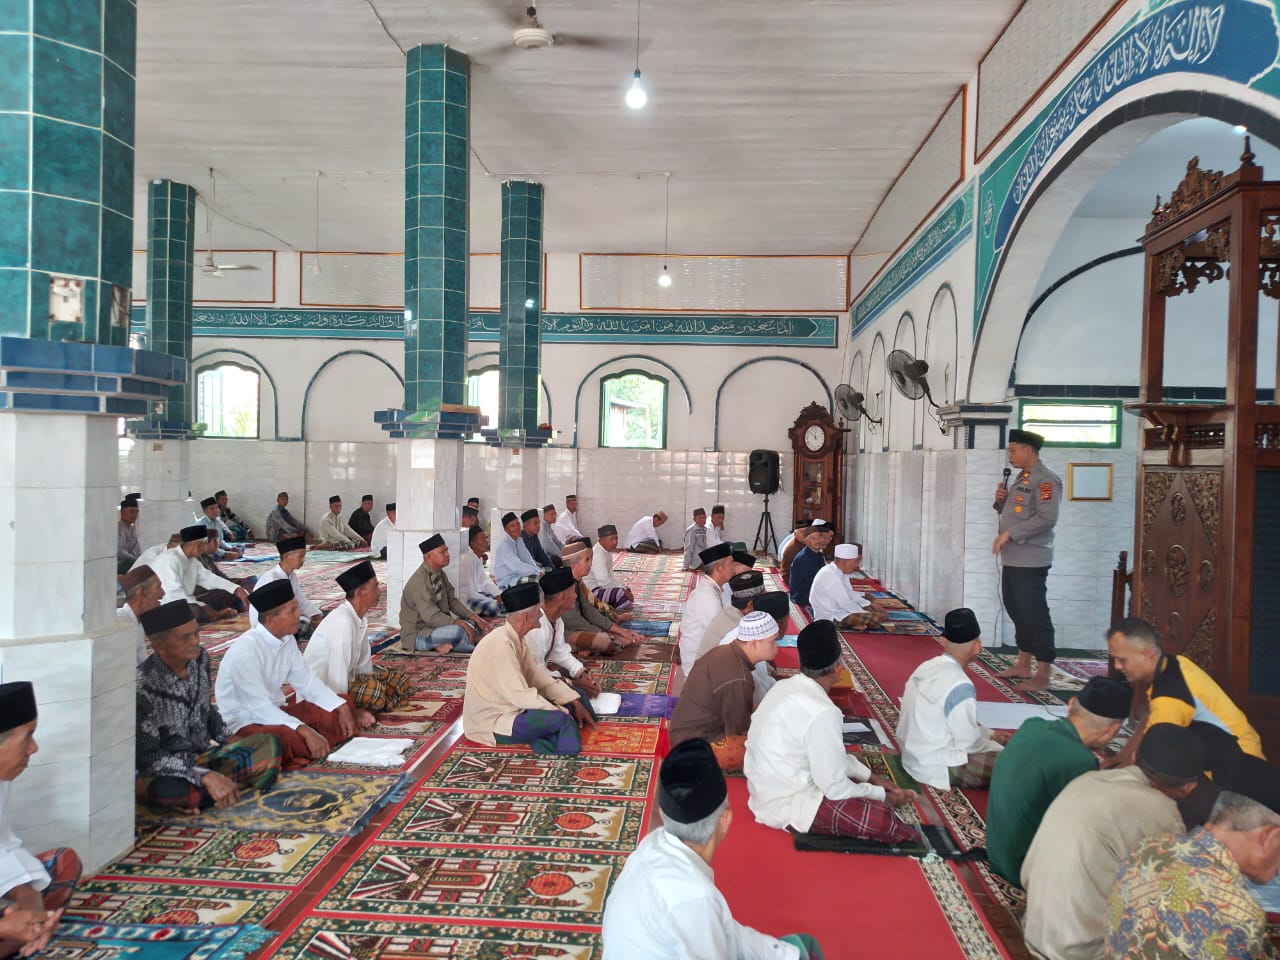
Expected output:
(251, 761)
(615, 597)
(860, 817)
(975, 774)
(546, 731)
(485, 606)
(381, 690)
(64, 869)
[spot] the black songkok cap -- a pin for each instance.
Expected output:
(208, 502)
(548, 508)
(197, 531)
(745, 558)
(690, 783)
(608, 530)
(473, 499)
(271, 595)
(133, 496)
(1173, 751)
(509, 517)
(352, 577)
(520, 597)
(391, 506)
(712, 554)
(700, 512)
(286, 544)
(1104, 697)
(431, 543)
(367, 498)
(1252, 778)
(1027, 437)
(775, 603)
(474, 532)
(718, 508)
(570, 496)
(17, 704)
(334, 499)
(960, 626)
(818, 645)
(220, 493)
(747, 584)
(175, 613)
(128, 502)
(557, 581)
(528, 514)
(470, 512)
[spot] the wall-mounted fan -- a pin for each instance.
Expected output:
(210, 267)
(911, 378)
(851, 405)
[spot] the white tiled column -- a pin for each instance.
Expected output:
(59, 490)
(428, 485)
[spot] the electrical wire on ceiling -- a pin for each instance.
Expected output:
(220, 210)
(383, 24)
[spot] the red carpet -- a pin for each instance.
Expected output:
(891, 659)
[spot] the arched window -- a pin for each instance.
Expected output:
(633, 410)
(483, 391)
(227, 401)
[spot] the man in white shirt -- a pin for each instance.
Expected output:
(142, 592)
(942, 742)
(339, 654)
(715, 529)
(258, 663)
(643, 537)
(567, 522)
(512, 562)
(600, 580)
(665, 905)
(180, 572)
(798, 773)
(479, 591)
(551, 544)
(547, 642)
(335, 533)
(704, 602)
(833, 597)
(696, 539)
(214, 522)
(381, 532)
(293, 554)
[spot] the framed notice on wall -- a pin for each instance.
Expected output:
(1088, 481)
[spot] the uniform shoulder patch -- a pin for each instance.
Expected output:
(1046, 491)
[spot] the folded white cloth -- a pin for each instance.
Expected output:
(606, 703)
(372, 751)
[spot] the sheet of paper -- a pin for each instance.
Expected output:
(1010, 716)
(606, 704)
(854, 727)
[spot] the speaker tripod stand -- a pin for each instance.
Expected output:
(764, 531)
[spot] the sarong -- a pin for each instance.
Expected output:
(252, 761)
(546, 731)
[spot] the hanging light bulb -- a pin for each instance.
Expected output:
(636, 97)
(664, 278)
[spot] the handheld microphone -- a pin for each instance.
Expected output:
(1004, 485)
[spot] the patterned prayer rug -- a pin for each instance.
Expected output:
(221, 855)
(541, 886)
(633, 737)
(368, 938)
(494, 771)
(433, 816)
(633, 676)
(435, 673)
(131, 901)
(315, 802)
(76, 940)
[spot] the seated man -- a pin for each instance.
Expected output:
(186, 756)
(361, 521)
(695, 539)
(339, 654)
(510, 697)
(127, 548)
(1180, 692)
(213, 522)
(547, 640)
(741, 562)
(432, 618)
(798, 774)
(747, 594)
(715, 529)
(282, 523)
(1041, 758)
(809, 561)
(567, 522)
(600, 580)
(479, 592)
(386, 526)
(39, 887)
(643, 537)
(833, 597)
(704, 602)
(587, 626)
(718, 697)
(664, 905)
(293, 554)
(1090, 828)
(240, 532)
(512, 562)
(181, 574)
(530, 527)
(149, 554)
(142, 592)
(790, 547)
(470, 517)
(258, 663)
(1185, 895)
(335, 533)
(216, 598)
(941, 740)
(552, 545)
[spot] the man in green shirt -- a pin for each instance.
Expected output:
(1042, 758)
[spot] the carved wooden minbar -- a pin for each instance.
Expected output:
(1207, 539)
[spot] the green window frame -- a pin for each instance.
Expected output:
(1072, 423)
(646, 433)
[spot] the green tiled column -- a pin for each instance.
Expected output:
(520, 340)
(437, 130)
(171, 219)
(66, 162)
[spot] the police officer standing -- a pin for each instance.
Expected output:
(1028, 512)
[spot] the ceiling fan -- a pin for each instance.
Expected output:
(528, 32)
(210, 267)
(852, 405)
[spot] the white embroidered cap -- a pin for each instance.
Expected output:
(757, 625)
(846, 551)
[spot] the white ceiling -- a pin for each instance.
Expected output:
(782, 123)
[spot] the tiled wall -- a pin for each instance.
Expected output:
(520, 354)
(171, 211)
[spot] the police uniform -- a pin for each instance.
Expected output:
(1028, 515)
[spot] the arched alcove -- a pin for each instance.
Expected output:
(744, 423)
(875, 389)
(268, 399)
(344, 392)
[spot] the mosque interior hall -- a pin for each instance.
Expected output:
(611, 479)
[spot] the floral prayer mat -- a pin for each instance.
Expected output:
(216, 855)
(314, 802)
(432, 673)
(371, 939)
(76, 940)
(632, 676)
(467, 768)
(131, 901)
